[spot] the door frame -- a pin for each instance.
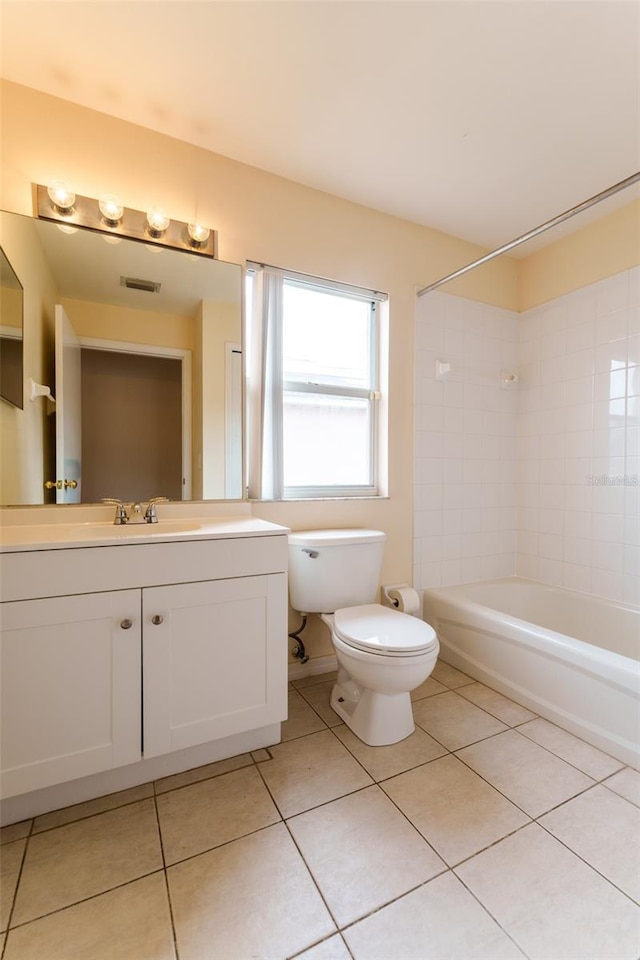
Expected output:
(169, 353)
(68, 410)
(233, 421)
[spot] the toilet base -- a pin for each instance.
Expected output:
(378, 719)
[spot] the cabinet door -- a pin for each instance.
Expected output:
(214, 660)
(70, 687)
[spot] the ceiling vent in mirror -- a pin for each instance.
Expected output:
(134, 283)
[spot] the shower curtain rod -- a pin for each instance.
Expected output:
(616, 188)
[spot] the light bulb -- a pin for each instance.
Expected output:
(158, 221)
(198, 233)
(61, 197)
(111, 209)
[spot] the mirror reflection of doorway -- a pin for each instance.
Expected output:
(131, 426)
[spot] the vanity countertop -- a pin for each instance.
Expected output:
(96, 533)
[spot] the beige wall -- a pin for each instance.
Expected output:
(265, 218)
(106, 322)
(24, 433)
(590, 253)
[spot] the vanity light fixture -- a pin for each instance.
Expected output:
(108, 216)
(111, 209)
(62, 199)
(157, 221)
(198, 234)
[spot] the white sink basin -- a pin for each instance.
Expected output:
(119, 531)
(52, 536)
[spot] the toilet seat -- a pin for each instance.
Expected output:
(373, 628)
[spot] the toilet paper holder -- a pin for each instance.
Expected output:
(390, 597)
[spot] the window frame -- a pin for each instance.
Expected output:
(371, 394)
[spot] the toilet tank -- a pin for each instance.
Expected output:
(330, 569)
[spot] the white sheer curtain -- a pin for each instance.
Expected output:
(264, 387)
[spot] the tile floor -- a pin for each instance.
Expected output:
(489, 833)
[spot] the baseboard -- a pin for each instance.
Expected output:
(316, 665)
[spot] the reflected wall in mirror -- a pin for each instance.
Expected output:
(11, 379)
(141, 346)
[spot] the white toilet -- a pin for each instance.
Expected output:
(382, 654)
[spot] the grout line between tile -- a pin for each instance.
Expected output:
(17, 887)
(604, 783)
(88, 816)
(416, 766)
(495, 919)
(301, 953)
(473, 742)
(293, 840)
(311, 706)
(166, 876)
(400, 896)
(30, 820)
(510, 726)
(506, 797)
(608, 880)
(93, 896)
(225, 843)
(324, 802)
(313, 879)
(568, 762)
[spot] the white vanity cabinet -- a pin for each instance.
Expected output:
(115, 654)
(210, 657)
(70, 687)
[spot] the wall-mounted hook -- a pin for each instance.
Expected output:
(37, 390)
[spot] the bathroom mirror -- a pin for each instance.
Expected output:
(11, 380)
(141, 348)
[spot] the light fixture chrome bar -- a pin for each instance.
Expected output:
(85, 212)
(591, 202)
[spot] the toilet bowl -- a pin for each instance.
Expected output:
(382, 656)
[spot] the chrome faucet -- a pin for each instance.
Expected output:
(121, 510)
(133, 512)
(150, 515)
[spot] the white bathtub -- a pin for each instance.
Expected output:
(569, 657)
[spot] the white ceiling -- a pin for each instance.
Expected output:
(482, 119)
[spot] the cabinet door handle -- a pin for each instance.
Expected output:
(126, 624)
(157, 619)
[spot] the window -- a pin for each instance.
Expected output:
(314, 386)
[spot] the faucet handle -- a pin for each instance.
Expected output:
(121, 509)
(150, 515)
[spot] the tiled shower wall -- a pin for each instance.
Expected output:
(578, 440)
(540, 479)
(465, 468)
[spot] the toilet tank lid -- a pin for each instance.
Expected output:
(334, 538)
